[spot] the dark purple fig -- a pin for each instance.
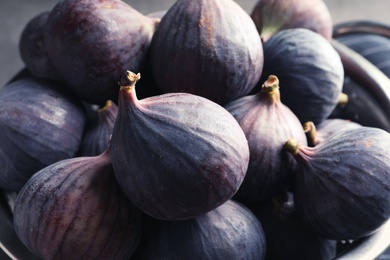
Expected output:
(97, 134)
(210, 48)
(310, 70)
(91, 43)
(320, 133)
(287, 237)
(342, 190)
(267, 124)
(39, 124)
(32, 49)
(272, 16)
(368, 90)
(176, 155)
(230, 231)
(75, 209)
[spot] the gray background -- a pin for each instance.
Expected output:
(14, 15)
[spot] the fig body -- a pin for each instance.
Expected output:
(97, 135)
(310, 70)
(91, 43)
(272, 16)
(75, 209)
(230, 231)
(40, 124)
(342, 190)
(267, 124)
(176, 155)
(210, 48)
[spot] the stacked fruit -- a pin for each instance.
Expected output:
(227, 139)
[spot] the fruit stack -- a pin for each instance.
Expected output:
(198, 132)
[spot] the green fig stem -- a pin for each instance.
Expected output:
(128, 80)
(343, 99)
(311, 133)
(271, 88)
(291, 146)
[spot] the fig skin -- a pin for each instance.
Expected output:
(267, 124)
(287, 237)
(310, 70)
(91, 43)
(342, 190)
(40, 124)
(209, 48)
(272, 16)
(230, 231)
(32, 49)
(176, 155)
(97, 135)
(75, 209)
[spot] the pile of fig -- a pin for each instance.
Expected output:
(197, 132)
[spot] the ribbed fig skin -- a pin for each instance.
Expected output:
(39, 125)
(177, 155)
(97, 135)
(75, 209)
(91, 43)
(230, 231)
(210, 48)
(342, 190)
(309, 69)
(272, 16)
(267, 124)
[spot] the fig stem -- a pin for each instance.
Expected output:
(291, 146)
(271, 88)
(106, 105)
(311, 133)
(343, 99)
(128, 80)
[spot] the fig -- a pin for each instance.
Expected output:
(209, 48)
(287, 237)
(342, 189)
(267, 124)
(97, 134)
(368, 90)
(91, 43)
(176, 155)
(40, 123)
(231, 231)
(272, 16)
(75, 209)
(32, 49)
(310, 70)
(327, 128)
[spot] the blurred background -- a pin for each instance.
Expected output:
(15, 14)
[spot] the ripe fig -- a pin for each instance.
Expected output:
(342, 189)
(75, 209)
(272, 16)
(267, 124)
(368, 90)
(231, 231)
(327, 128)
(97, 134)
(32, 49)
(210, 48)
(91, 43)
(310, 70)
(40, 123)
(287, 237)
(176, 155)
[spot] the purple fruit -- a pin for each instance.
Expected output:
(75, 209)
(176, 155)
(40, 124)
(91, 43)
(210, 48)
